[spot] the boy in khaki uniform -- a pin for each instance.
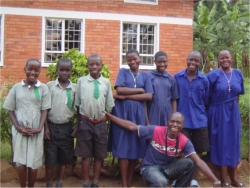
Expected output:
(59, 144)
(93, 96)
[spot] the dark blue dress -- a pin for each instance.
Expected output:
(165, 90)
(124, 143)
(224, 119)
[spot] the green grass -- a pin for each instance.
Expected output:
(245, 141)
(5, 151)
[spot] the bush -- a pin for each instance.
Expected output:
(5, 122)
(245, 113)
(79, 66)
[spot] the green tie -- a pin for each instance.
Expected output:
(36, 93)
(69, 100)
(96, 90)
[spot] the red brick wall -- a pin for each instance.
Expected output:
(22, 41)
(173, 8)
(103, 37)
(22, 34)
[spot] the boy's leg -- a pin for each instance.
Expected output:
(85, 169)
(130, 172)
(22, 175)
(32, 173)
(154, 177)
(182, 171)
(49, 173)
(97, 171)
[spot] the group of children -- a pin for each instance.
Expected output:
(145, 98)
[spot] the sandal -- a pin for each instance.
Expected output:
(238, 184)
(226, 184)
(194, 183)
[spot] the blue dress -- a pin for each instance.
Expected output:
(124, 143)
(224, 119)
(165, 90)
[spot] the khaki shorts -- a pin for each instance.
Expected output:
(91, 140)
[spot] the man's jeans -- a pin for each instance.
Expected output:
(180, 170)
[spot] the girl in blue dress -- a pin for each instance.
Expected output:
(133, 88)
(165, 92)
(226, 84)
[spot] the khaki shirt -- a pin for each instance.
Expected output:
(60, 113)
(88, 105)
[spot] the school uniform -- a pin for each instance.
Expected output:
(92, 130)
(27, 103)
(60, 147)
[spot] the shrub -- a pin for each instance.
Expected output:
(245, 113)
(79, 66)
(5, 122)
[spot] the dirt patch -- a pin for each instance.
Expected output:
(115, 181)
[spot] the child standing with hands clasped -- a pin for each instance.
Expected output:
(58, 143)
(93, 96)
(27, 103)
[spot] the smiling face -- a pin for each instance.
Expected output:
(95, 66)
(175, 125)
(32, 71)
(193, 61)
(64, 70)
(225, 59)
(133, 61)
(161, 63)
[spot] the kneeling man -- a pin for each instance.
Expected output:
(162, 161)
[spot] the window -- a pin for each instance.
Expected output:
(151, 2)
(1, 41)
(141, 37)
(60, 36)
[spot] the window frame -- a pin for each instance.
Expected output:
(82, 45)
(2, 39)
(141, 2)
(156, 44)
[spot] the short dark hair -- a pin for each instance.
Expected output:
(62, 60)
(160, 53)
(30, 60)
(131, 51)
(196, 51)
(94, 56)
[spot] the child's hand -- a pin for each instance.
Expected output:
(74, 132)
(115, 96)
(27, 131)
(46, 134)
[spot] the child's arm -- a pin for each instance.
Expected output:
(174, 105)
(128, 91)
(46, 130)
(146, 113)
(78, 122)
(42, 121)
(137, 97)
